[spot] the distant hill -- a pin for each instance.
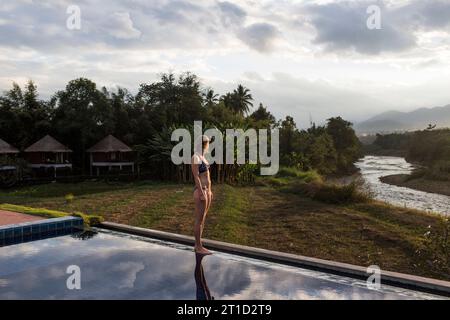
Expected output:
(393, 121)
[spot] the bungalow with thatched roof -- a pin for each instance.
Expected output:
(6, 148)
(48, 153)
(110, 152)
(7, 152)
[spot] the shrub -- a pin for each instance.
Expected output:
(307, 176)
(90, 220)
(340, 194)
(69, 198)
(329, 193)
(440, 170)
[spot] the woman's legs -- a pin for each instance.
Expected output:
(209, 197)
(200, 214)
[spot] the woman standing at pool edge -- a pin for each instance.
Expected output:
(202, 194)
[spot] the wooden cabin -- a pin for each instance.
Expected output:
(110, 153)
(7, 153)
(48, 153)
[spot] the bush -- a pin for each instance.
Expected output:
(246, 174)
(307, 176)
(89, 219)
(440, 170)
(329, 193)
(69, 198)
(340, 194)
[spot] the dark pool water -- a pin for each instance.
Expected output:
(118, 266)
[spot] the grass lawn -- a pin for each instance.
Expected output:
(263, 216)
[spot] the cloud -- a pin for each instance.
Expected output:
(331, 62)
(260, 36)
(121, 26)
(231, 14)
(163, 24)
(196, 25)
(430, 14)
(342, 25)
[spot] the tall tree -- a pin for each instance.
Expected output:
(23, 116)
(82, 117)
(288, 132)
(242, 100)
(210, 98)
(347, 144)
(262, 117)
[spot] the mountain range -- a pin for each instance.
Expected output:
(395, 121)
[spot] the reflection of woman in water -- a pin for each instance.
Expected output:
(202, 193)
(200, 281)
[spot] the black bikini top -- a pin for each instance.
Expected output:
(203, 167)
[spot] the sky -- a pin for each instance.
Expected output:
(310, 58)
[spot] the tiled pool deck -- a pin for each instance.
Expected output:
(34, 230)
(8, 217)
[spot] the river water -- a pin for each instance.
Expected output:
(374, 167)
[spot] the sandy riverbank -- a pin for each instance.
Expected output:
(422, 184)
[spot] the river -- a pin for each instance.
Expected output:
(374, 167)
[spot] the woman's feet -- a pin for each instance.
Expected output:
(202, 251)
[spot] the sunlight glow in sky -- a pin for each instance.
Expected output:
(297, 57)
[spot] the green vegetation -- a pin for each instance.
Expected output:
(82, 114)
(334, 193)
(362, 232)
(90, 220)
(306, 176)
(330, 149)
(429, 148)
(312, 185)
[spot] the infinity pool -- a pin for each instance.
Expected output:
(119, 266)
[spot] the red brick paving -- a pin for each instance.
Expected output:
(8, 217)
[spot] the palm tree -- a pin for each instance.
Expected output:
(228, 100)
(242, 100)
(210, 98)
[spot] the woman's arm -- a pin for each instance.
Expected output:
(209, 180)
(209, 184)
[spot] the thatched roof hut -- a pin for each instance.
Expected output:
(6, 148)
(48, 144)
(109, 144)
(48, 153)
(110, 152)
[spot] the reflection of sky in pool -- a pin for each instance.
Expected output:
(117, 266)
